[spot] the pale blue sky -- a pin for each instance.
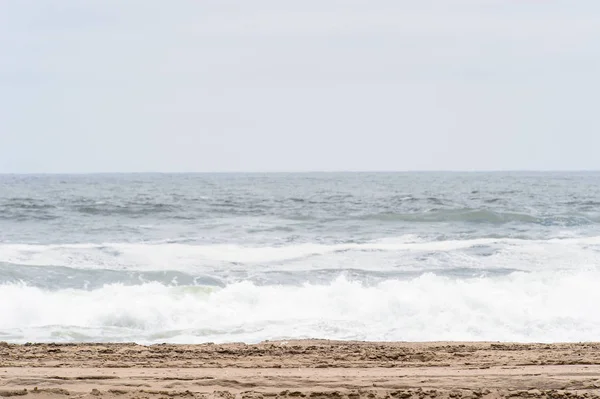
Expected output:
(271, 85)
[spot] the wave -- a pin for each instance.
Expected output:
(26, 203)
(20, 209)
(134, 209)
(60, 277)
(402, 253)
(477, 216)
(518, 307)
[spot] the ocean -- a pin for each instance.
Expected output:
(192, 258)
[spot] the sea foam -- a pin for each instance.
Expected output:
(540, 306)
(574, 252)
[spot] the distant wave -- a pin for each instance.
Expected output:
(129, 209)
(34, 209)
(26, 203)
(545, 306)
(22, 209)
(399, 209)
(468, 215)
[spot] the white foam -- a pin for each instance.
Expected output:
(544, 306)
(404, 252)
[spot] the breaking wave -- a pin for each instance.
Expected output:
(517, 307)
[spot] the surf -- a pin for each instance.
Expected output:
(527, 307)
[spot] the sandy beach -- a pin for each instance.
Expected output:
(298, 369)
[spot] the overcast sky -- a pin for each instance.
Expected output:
(303, 85)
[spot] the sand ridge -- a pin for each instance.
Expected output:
(314, 369)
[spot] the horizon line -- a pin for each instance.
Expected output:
(302, 172)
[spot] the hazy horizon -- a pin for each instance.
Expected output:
(230, 87)
(308, 172)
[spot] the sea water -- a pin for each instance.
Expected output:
(190, 258)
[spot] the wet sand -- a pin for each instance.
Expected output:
(301, 369)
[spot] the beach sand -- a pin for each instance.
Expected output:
(301, 369)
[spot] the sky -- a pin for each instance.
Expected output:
(304, 85)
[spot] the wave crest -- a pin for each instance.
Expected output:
(481, 216)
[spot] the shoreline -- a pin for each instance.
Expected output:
(316, 369)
